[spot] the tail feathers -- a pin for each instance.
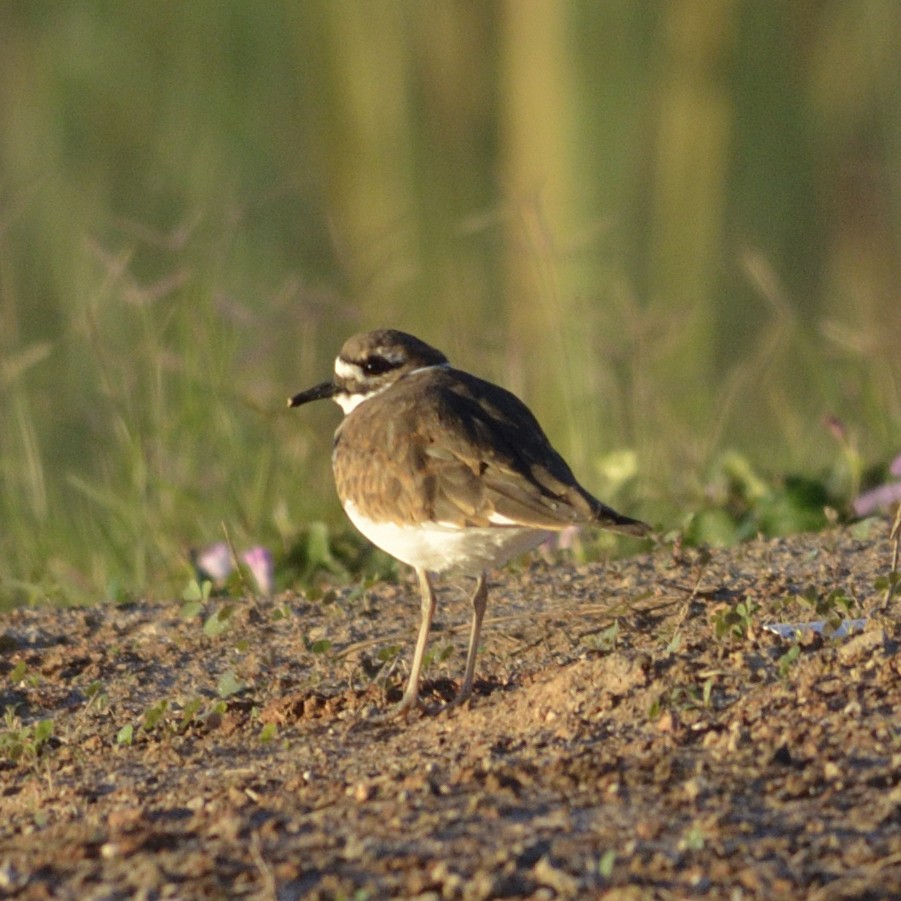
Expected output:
(608, 518)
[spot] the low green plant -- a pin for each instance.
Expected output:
(735, 622)
(389, 653)
(97, 697)
(888, 585)
(693, 839)
(18, 672)
(788, 660)
(229, 684)
(707, 692)
(318, 553)
(675, 643)
(379, 669)
(743, 503)
(153, 716)
(683, 697)
(166, 718)
(832, 607)
(20, 742)
(189, 713)
(218, 621)
(318, 645)
(606, 863)
(195, 594)
(436, 655)
(606, 639)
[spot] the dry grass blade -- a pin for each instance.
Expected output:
(895, 538)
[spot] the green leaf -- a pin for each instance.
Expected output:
(125, 736)
(41, 731)
(190, 609)
(17, 674)
(197, 591)
(320, 646)
(229, 684)
(389, 652)
(189, 712)
(863, 529)
(694, 839)
(216, 623)
(606, 863)
(707, 691)
(798, 506)
(154, 715)
(606, 639)
(785, 662)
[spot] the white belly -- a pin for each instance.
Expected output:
(445, 548)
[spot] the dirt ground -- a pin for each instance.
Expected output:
(635, 733)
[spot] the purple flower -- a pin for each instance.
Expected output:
(878, 498)
(882, 496)
(895, 466)
(214, 562)
(259, 562)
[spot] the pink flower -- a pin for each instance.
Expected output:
(214, 562)
(878, 498)
(259, 561)
(895, 466)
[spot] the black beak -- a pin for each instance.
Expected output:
(318, 392)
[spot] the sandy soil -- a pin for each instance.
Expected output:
(636, 732)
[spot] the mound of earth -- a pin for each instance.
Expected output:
(636, 732)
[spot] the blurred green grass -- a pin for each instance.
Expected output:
(672, 228)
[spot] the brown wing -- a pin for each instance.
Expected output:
(453, 448)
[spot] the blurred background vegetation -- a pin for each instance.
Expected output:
(673, 228)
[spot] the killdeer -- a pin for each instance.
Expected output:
(446, 472)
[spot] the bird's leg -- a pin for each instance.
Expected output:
(410, 700)
(479, 602)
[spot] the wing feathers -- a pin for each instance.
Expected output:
(479, 455)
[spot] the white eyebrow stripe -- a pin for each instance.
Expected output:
(345, 370)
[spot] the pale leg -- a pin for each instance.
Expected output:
(479, 602)
(410, 700)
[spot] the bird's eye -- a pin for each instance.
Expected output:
(376, 365)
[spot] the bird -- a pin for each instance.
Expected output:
(446, 472)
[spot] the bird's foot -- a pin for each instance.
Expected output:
(462, 697)
(403, 710)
